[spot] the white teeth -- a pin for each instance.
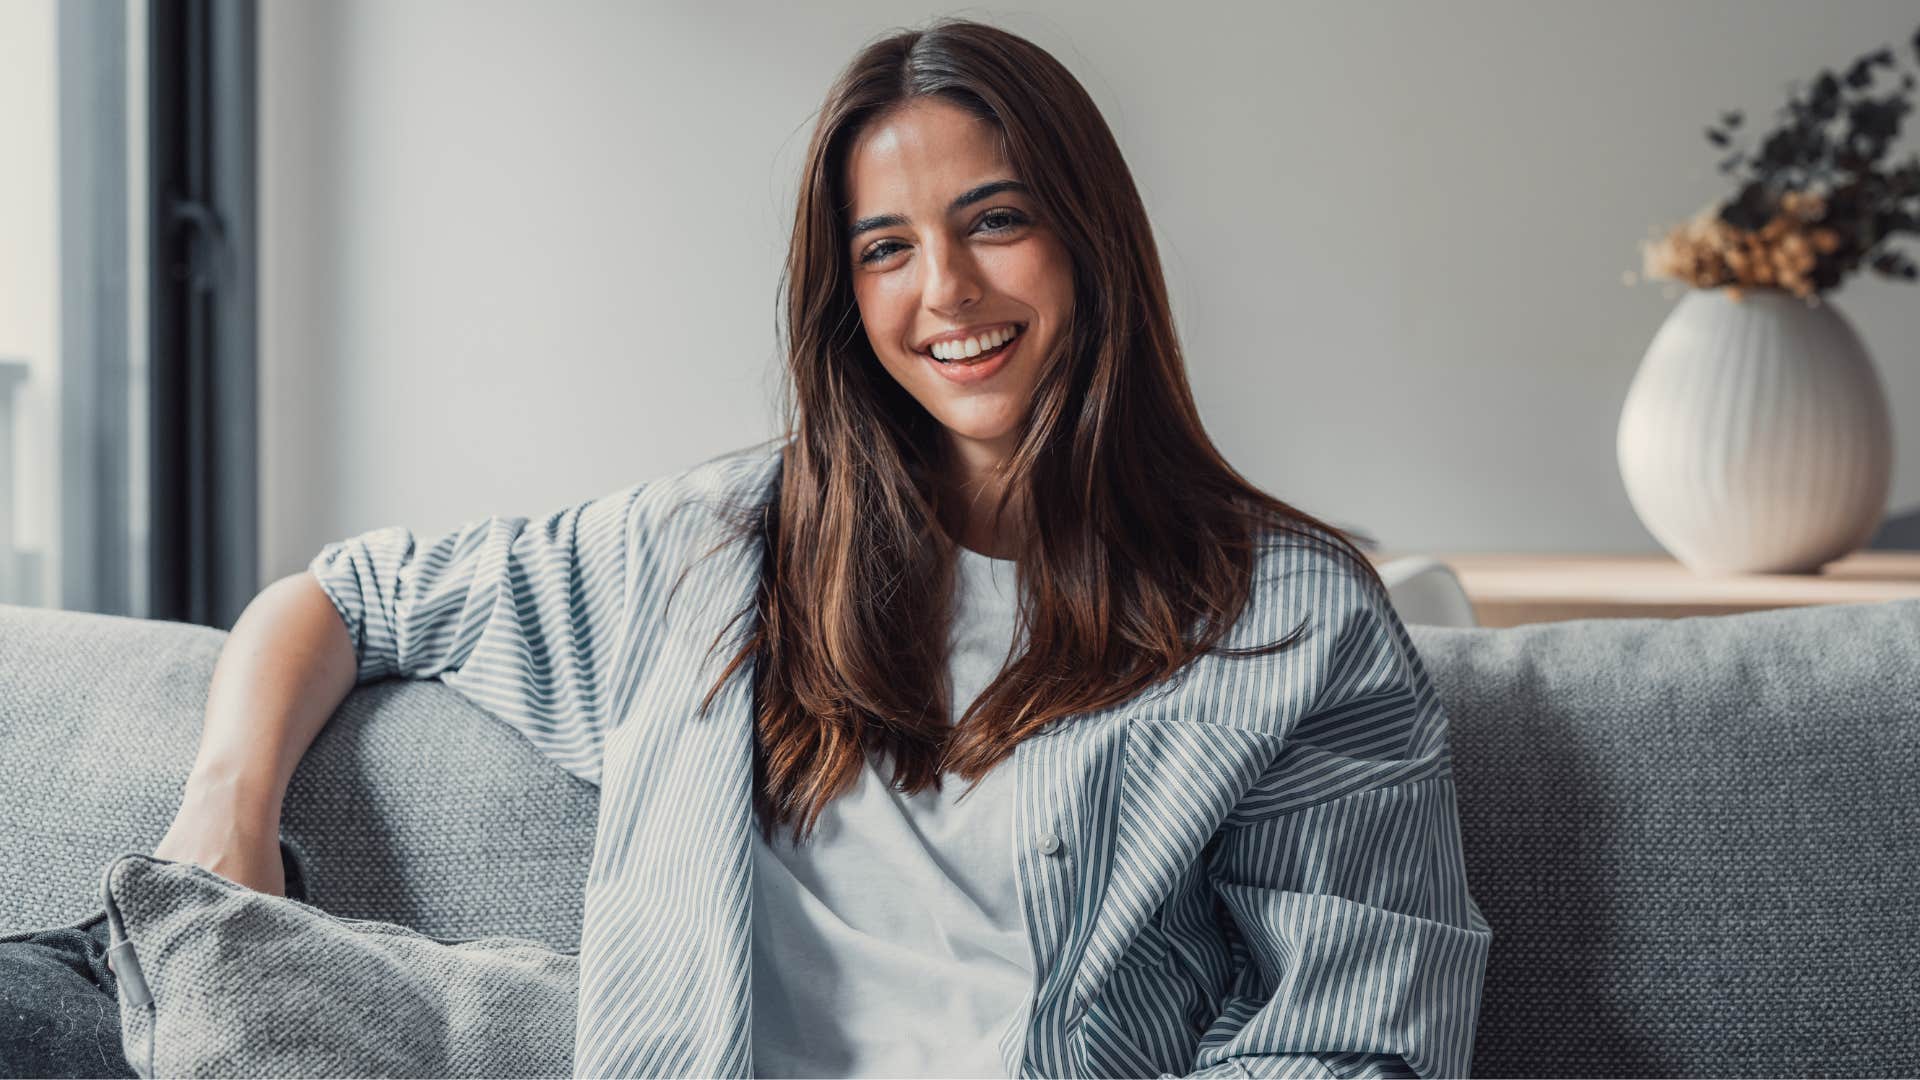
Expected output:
(973, 346)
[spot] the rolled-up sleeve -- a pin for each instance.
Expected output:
(527, 618)
(1359, 949)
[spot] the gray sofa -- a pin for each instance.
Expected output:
(1697, 841)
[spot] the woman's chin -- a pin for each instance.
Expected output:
(988, 434)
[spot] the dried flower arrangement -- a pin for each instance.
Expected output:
(1815, 203)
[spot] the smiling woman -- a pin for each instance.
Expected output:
(982, 358)
(999, 516)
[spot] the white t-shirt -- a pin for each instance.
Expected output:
(892, 942)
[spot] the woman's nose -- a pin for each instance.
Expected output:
(953, 278)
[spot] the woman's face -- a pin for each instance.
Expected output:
(945, 244)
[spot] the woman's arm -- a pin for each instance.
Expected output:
(1341, 869)
(529, 619)
(285, 667)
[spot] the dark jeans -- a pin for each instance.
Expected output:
(60, 1003)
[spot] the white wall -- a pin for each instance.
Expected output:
(516, 255)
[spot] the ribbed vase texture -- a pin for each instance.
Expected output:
(1756, 436)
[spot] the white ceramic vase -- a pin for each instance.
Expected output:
(1756, 436)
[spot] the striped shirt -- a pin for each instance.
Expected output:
(1251, 869)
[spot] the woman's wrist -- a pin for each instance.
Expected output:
(246, 793)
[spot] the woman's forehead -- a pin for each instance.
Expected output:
(910, 156)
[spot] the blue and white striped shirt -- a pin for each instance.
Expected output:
(1252, 869)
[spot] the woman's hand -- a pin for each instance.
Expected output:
(224, 831)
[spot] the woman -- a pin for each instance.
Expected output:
(988, 723)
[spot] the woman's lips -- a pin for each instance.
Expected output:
(967, 374)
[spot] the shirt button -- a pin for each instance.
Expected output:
(1049, 843)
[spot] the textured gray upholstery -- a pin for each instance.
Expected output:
(239, 983)
(1697, 841)
(413, 806)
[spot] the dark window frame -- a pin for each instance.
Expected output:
(203, 327)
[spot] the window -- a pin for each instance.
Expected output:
(127, 329)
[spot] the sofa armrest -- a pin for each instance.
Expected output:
(412, 806)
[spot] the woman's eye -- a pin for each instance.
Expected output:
(1008, 219)
(878, 251)
(1011, 217)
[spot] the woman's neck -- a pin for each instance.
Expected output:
(971, 496)
(977, 533)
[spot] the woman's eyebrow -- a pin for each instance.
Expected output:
(966, 198)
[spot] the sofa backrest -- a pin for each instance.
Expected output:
(1695, 839)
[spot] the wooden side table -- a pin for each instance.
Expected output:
(1511, 589)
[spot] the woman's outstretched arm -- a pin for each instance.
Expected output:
(531, 616)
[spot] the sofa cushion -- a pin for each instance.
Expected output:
(219, 980)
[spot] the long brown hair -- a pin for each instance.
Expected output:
(1138, 543)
